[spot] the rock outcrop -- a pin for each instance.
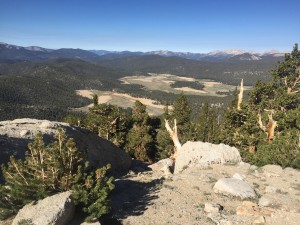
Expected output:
(202, 154)
(54, 210)
(16, 134)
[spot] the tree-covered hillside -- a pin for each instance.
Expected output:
(229, 71)
(47, 90)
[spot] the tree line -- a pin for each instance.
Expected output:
(144, 137)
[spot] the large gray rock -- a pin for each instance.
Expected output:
(54, 210)
(15, 136)
(234, 187)
(202, 154)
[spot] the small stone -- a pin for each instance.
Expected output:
(253, 167)
(264, 201)
(162, 165)
(167, 170)
(204, 178)
(244, 165)
(234, 187)
(259, 220)
(238, 176)
(272, 169)
(257, 174)
(211, 207)
(271, 189)
(23, 133)
(215, 217)
(247, 208)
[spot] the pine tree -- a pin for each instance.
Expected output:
(140, 141)
(182, 114)
(206, 127)
(164, 142)
(109, 122)
(95, 99)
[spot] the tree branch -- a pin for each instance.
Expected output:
(260, 123)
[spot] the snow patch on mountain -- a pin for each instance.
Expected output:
(37, 49)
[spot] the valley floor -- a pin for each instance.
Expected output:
(121, 100)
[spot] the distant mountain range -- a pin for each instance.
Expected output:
(35, 53)
(211, 56)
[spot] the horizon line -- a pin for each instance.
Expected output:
(157, 50)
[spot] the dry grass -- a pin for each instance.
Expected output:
(121, 100)
(164, 81)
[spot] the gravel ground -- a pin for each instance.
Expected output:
(146, 198)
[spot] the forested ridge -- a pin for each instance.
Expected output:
(228, 72)
(47, 90)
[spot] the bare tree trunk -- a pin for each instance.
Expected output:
(240, 96)
(270, 129)
(174, 137)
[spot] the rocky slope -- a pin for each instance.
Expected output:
(191, 196)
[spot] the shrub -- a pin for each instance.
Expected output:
(51, 169)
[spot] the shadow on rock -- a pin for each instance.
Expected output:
(131, 198)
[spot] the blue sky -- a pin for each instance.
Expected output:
(145, 25)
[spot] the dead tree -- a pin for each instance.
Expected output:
(270, 128)
(174, 137)
(294, 86)
(240, 96)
